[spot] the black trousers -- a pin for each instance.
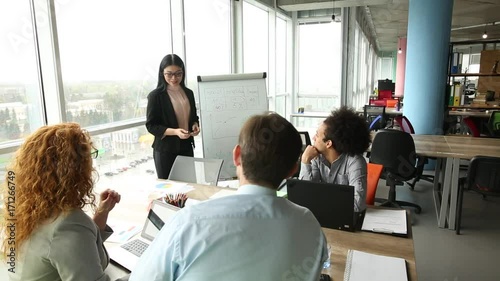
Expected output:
(165, 160)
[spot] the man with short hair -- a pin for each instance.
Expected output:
(252, 235)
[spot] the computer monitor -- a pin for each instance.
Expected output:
(386, 85)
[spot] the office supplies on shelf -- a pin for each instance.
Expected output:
(385, 221)
(365, 266)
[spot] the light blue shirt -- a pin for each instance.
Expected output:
(252, 235)
(346, 170)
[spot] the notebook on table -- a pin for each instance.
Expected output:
(331, 204)
(365, 266)
(127, 254)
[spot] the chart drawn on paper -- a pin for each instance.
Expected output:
(223, 126)
(252, 97)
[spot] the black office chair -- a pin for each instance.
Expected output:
(483, 177)
(306, 140)
(375, 116)
(395, 150)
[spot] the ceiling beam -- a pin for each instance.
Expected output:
(303, 5)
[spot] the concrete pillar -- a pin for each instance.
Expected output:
(429, 28)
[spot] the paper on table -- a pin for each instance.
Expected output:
(365, 266)
(122, 232)
(169, 187)
(385, 221)
(223, 193)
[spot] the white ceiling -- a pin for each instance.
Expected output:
(390, 17)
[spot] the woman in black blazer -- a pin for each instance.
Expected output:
(171, 116)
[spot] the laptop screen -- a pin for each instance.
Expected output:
(331, 204)
(158, 215)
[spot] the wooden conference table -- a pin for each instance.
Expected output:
(341, 241)
(449, 150)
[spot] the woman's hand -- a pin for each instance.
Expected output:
(182, 134)
(108, 200)
(309, 154)
(196, 129)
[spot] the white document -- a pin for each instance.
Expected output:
(385, 221)
(362, 266)
(223, 193)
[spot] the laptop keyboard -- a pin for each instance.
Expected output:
(136, 247)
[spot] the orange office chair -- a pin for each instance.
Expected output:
(373, 173)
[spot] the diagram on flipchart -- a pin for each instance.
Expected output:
(222, 124)
(231, 98)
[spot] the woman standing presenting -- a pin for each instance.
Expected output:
(171, 116)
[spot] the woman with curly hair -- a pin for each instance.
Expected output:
(51, 182)
(337, 154)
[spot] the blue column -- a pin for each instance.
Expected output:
(429, 28)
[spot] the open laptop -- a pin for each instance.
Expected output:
(127, 254)
(331, 204)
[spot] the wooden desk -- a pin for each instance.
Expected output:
(449, 150)
(341, 241)
(374, 243)
(391, 111)
(468, 113)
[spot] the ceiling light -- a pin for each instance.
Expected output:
(400, 51)
(485, 35)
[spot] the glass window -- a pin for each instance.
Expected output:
(320, 65)
(20, 102)
(208, 38)
(281, 55)
(110, 52)
(255, 39)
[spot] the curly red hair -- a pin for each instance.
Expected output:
(53, 174)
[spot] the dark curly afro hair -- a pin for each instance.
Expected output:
(348, 131)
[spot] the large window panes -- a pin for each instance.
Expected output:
(110, 53)
(20, 97)
(208, 38)
(281, 66)
(128, 152)
(320, 66)
(255, 39)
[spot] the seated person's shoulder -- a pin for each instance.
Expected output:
(76, 218)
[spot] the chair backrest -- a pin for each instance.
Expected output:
(404, 124)
(196, 170)
(395, 150)
(375, 116)
(306, 140)
(372, 176)
(494, 123)
(484, 175)
(472, 126)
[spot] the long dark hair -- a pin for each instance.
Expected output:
(168, 60)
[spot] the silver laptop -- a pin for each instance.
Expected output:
(127, 254)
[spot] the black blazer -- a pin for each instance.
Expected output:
(160, 115)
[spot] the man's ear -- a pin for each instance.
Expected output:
(329, 143)
(294, 170)
(237, 155)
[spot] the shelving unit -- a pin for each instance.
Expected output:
(467, 65)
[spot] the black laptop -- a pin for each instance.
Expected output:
(331, 204)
